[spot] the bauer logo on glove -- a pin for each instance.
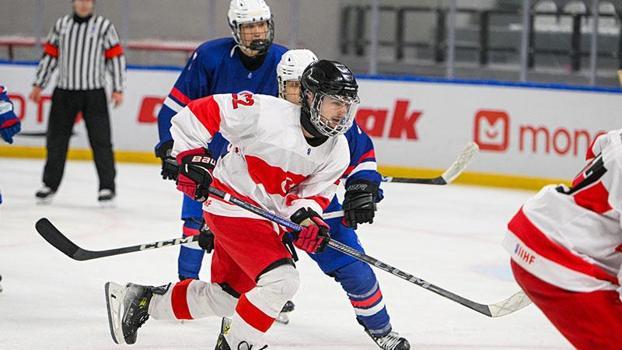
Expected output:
(195, 173)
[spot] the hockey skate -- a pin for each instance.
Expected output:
(391, 341)
(105, 198)
(128, 309)
(0, 284)
(222, 343)
(45, 195)
(283, 316)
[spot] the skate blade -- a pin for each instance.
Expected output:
(44, 201)
(107, 204)
(115, 294)
(282, 318)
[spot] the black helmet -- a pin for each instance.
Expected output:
(331, 79)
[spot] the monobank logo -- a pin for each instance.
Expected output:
(493, 132)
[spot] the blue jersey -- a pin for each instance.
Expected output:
(7, 115)
(216, 68)
(363, 165)
(9, 123)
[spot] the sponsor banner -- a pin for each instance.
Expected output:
(525, 132)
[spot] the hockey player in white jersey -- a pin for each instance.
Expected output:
(355, 277)
(289, 165)
(566, 248)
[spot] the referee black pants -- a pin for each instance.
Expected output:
(94, 107)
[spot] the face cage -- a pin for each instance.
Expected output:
(282, 86)
(237, 30)
(323, 126)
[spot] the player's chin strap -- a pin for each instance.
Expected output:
(512, 304)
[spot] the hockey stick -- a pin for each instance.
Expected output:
(456, 168)
(512, 304)
(51, 234)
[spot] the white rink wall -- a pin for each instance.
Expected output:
(527, 134)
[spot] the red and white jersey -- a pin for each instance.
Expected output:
(572, 237)
(269, 162)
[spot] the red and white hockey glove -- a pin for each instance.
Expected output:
(314, 235)
(195, 173)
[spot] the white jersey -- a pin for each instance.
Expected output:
(572, 237)
(269, 162)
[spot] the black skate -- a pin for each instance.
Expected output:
(391, 341)
(283, 316)
(105, 197)
(222, 344)
(45, 195)
(128, 309)
(0, 284)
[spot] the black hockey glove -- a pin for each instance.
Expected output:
(359, 205)
(206, 239)
(169, 164)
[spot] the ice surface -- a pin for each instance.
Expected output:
(449, 236)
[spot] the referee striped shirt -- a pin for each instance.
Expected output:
(83, 49)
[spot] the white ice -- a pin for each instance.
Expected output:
(449, 236)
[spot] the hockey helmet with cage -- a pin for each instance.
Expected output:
(292, 65)
(243, 12)
(324, 81)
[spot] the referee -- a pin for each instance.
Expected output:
(83, 46)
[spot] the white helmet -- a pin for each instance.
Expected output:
(250, 11)
(291, 66)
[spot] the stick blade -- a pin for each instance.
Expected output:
(510, 305)
(52, 235)
(461, 163)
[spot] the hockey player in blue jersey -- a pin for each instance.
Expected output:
(245, 62)
(362, 183)
(9, 124)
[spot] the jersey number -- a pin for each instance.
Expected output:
(243, 99)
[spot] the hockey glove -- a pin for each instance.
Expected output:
(9, 124)
(314, 235)
(169, 165)
(195, 173)
(206, 239)
(359, 205)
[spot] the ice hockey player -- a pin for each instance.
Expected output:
(362, 193)
(289, 165)
(245, 62)
(566, 248)
(9, 124)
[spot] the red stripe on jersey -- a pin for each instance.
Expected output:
(1, 89)
(590, 150)
(274, 179)
(189, 232)
(221, 186)
(535, 239)
(9, 123)
(594, 198)
(364, 304)
(323, 202)
(252, 315)
(50, 50)
(179, 300)
(208, 112)
(180, 96)
(370, 154)
(113, 52)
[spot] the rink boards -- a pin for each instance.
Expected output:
(528, 134)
